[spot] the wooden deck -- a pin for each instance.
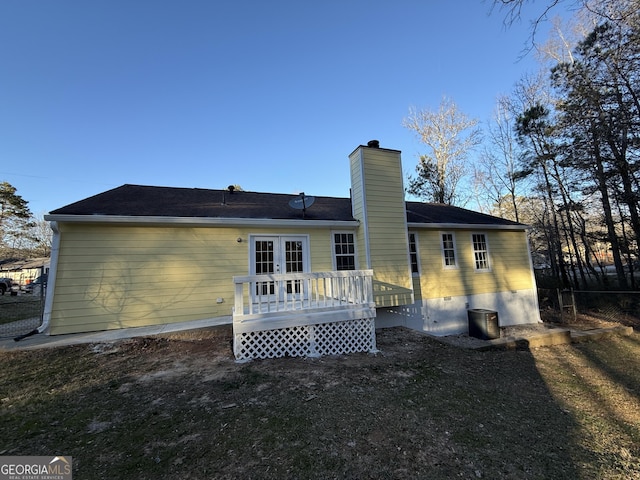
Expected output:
(266, 302)
(294, 302)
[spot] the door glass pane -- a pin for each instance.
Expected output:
(264, 257)
(293, 263)
(264, 265)
(293, 252)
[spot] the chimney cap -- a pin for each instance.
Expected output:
(373, 144)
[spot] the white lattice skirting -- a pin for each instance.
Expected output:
(334, 338)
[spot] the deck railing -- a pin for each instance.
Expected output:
(303, 314)
(264, 296)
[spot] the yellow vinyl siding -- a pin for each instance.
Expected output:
(125, 276)
(508, 256)
(510, 260)
(387, 229)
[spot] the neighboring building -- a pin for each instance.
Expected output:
(25, 271)
(144, 255)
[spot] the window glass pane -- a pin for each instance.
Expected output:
(345, 263)
(413, 253)
(344, 251)
(449, 258)
(448, 250)
(480, 251)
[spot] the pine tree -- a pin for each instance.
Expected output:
(15, 218)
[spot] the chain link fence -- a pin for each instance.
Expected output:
(563, 305)
(21, 312)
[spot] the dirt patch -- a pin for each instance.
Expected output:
(179, 406)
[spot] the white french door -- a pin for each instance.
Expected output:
(274, 254)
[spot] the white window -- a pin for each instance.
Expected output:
(413, 254)
(448, 250)
(344, 251)
(480, 251)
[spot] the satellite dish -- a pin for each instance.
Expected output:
(302, 203)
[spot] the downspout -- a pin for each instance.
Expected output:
(51, 280)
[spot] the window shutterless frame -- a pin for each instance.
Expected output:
(343, 248)
(414, 257)
(449, 253)
(480, 247)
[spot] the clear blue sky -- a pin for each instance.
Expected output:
(272, 96)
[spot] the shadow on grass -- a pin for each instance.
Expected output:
(598, 383)
(154, 408)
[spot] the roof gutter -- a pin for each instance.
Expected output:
(239, 222)
(467, 226)
(199, 221)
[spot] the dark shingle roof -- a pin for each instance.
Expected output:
(149, 201)
(418, 212)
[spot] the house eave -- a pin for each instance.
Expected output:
(199, 221)
(466, 226)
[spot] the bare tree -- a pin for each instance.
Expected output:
(614, 11)
(450, 135)
(497, 171)
(41, 236)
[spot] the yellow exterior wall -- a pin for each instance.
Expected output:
(378, 197)
(112, 277)
(509, 260)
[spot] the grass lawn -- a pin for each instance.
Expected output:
(21, 307)
(179, 407)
